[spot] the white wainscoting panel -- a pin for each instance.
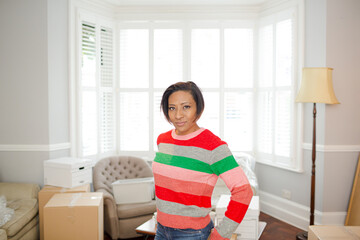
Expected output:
(296, 214)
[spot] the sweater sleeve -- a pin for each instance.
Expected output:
(226, 167)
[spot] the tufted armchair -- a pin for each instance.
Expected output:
(120, 221)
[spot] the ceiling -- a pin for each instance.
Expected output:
(183, 2)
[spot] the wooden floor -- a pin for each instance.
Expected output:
(274, 230)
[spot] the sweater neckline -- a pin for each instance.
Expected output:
(187, 136)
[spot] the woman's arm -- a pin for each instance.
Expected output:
(226, 167)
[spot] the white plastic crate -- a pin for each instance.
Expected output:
(67, 172)
(249, 227)
(136, 190)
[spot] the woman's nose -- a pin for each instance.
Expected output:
(178, 114)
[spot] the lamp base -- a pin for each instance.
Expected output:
(302, 236)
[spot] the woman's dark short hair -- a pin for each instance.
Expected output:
(188, 86)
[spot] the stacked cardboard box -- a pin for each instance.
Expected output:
(333, 232)
(77, 216)
(47, 192)
(248, 228)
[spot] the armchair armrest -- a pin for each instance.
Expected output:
(19, 190)
(111, 218)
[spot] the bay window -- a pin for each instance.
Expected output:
(247, 71)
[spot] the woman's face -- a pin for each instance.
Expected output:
(182, 112)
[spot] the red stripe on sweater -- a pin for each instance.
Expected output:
(236, 211)
(182, 198)
(206, 140)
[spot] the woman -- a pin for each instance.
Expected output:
(186, 167)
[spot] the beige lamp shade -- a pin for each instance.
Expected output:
(316, 86)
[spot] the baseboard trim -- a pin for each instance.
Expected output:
(296, 214)
(35, 148)
(332, 148)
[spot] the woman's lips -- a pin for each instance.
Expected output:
(180, 124)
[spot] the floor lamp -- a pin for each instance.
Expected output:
(316, 87)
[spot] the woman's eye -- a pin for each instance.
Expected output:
(171, 108)
(187, 107)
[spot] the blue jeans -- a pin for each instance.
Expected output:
(167, 233)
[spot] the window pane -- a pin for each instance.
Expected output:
(210, 117)
(205, 57)
(134, 122)
(265, 122)
(89, 123)
(283, 126)
(134, 58)
(284, 53)
(238, 58)
(238, 122)
(161, 125)
(168, 59)
(88, 65)
(266, 56)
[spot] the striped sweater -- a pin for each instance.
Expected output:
(186, 169)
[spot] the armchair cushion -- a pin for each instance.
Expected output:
(135, 210)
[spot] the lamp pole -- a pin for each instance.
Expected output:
(312, 196)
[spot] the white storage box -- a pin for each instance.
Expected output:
(249, 227)
(67, 172)
(136, 190)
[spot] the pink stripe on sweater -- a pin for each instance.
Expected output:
(234, 178)
(182, 222)
(187, 136)
(242, 194)
(183, 174)
(194, 188)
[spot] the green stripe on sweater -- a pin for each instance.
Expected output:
(183, 162)
(224, 165)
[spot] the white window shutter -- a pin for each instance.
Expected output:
(97, 115)
(107, 95)
(88, 101)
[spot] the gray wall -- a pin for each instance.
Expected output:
(342, 121)
(33, 86)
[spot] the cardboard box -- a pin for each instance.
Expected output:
(249, 227)
(67, 172)
(77, 216)
(136, 190)
(46, 193)
(323, 232)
